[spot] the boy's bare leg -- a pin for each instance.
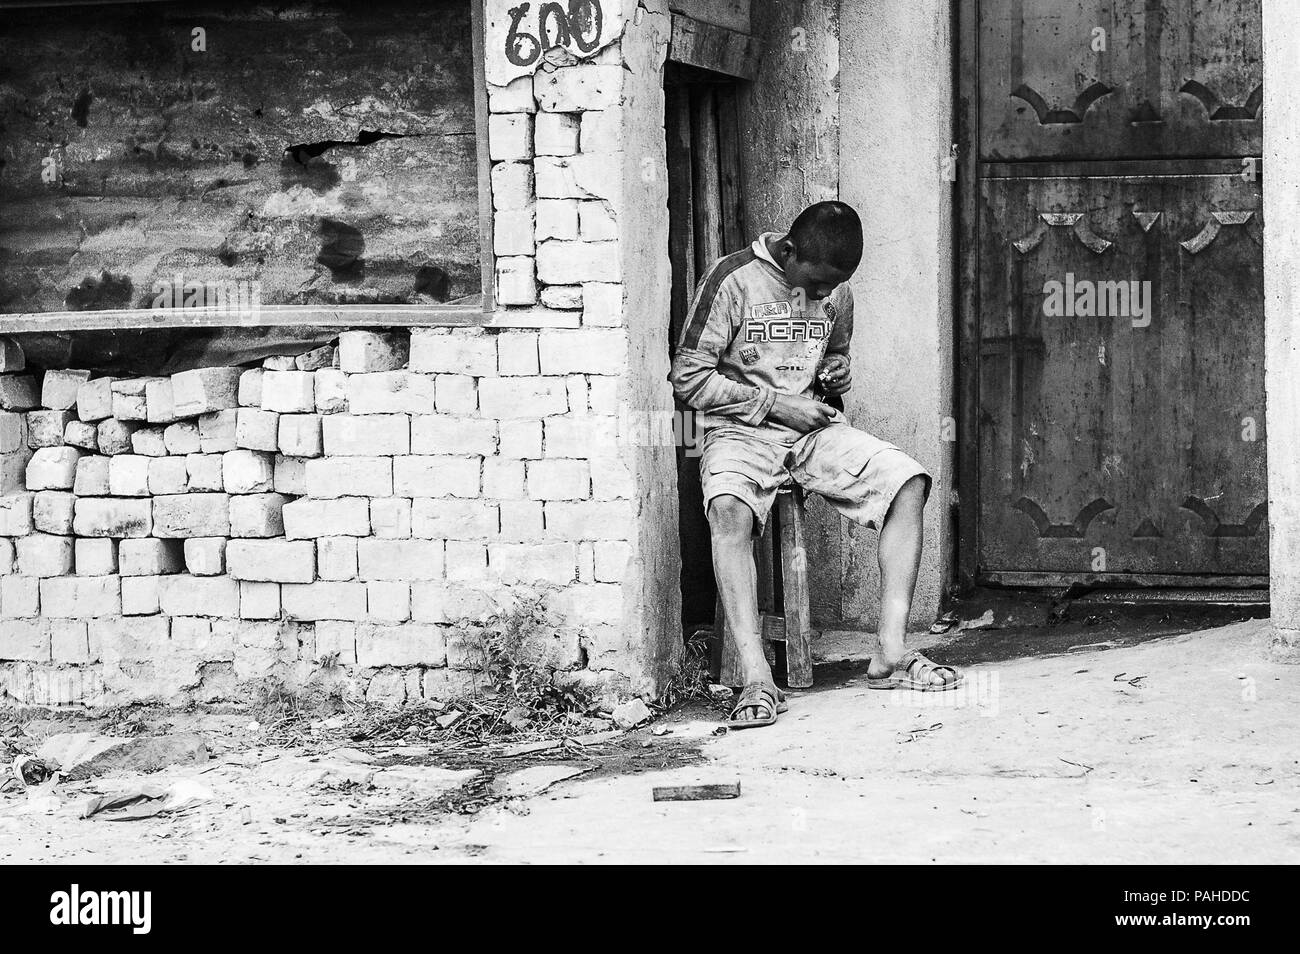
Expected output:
(731, 527)
(900, 558)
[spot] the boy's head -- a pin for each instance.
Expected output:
(822, 248)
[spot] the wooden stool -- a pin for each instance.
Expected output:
(782, 598)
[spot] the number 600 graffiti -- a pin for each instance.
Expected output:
(580, 25)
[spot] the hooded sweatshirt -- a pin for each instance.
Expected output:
(750, 336)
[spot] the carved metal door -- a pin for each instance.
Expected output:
(1113, 381)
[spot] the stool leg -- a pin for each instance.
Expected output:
(794, 586)
(728, 668)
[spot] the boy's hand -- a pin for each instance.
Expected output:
(834, 374)
(801, 413)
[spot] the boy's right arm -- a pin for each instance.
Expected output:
(695, 377)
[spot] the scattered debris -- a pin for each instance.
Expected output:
(984, 621)
(31, 771)
(81, 755)
(944, 623)
(163, 799)
(1086, 768)
(534, 779)
(1135, 682)
(425, 780)
(631, 714)
(911, 735)
(696, 793)
(720, 693)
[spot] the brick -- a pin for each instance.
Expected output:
(150, 557)
(290, 475)
(114, 436)
(59, 388)
(95, 399)
(95, 556)
(512, 232)
(611, 479)
(128, 476)
(300, 435)
(512, 185)
(344, 517)
(521, 521)
(182, 438)
(280, 362)
(510, 136)
(329, 477)
(92, 477)
(456, 394)
(69, 641)
(168, 475)
(559, 479)
(313, 601)
(562, 296)
(331, 391)
(337, 639)
(517, 353)
(159, 401)
(436, 476)
(556, 134)
(79, 597)
(272, 561)
(602, 130)
(533, 562)
(6, 550)
(205, 390)
(113, 517)
(390, 517)
(602, 304)
(595, 435)
(445, 434)
(11, 356)
(516, 280)
(515, 97)
(503, 478)
(289, 392)
(52, 511)
(53, 468)
(129, 399)
(205, 639)
(590, 519)
(205, 473)
(453, 351)
(13, 471)
(574, 89)
(597, 222)
(399, 559)
(365, 351)
(373, 435)
(259, 600)
(44, 554)
(612, 558)
(190, 515)
(217, 431)
(205, 556)
(250, 388)
(247, 472)
(569, 263)
(389, 601)
(256, 429)
(522, 397)
(453, 519)
(80, 434)
(140, 595)
(185, 595)
(45, 428)
(454, 603)
(466, 560)
(336, 558)
(18, 392)
(603, 395)
(521, 440)
(257, 515)
(315, 359)
(149, 442)
(13, 431)
(20, 598)
(390, 392)
(411, 644)
(26, 641)
(15, 514)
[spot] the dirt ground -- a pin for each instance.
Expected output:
(1095, 740)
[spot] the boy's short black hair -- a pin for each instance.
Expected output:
(829, 233)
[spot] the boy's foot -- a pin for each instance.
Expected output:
(912, 671)
(759, 704)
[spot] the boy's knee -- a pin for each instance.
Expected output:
(730, 517)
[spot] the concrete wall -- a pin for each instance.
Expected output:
(1281, 303)
(895, 125)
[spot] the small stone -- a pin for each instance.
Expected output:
(217, 431)
(59, 388)
(95, 556)
(362, 351)
(160, 407)
(205, 390)
(95, 399)
(315, 359)
(53, 468)
(18, 392)
(92, 477)
(80, 434)
(205, 556)
(149, 442)
(250, 388)
(247, 472)
(114, 436)
(128, 476)
(46, 428)
(182, 438)
(631, 714)
(256, 429)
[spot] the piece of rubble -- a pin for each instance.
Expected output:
(631, 714)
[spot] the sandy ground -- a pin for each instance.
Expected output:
(1172, 749)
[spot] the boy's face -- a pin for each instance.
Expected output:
(817, 279)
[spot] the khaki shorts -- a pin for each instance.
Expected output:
(857, 473)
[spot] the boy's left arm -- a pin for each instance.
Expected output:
(834, 371)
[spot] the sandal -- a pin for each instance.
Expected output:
(761, 698)
(913, 672)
